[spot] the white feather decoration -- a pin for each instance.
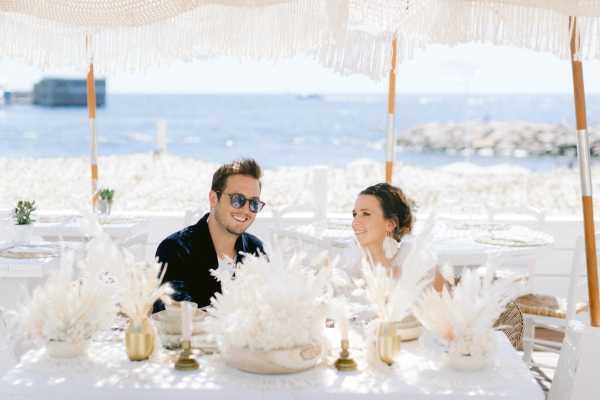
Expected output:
(465, 316)
(392, 297)
(269, 305)
(140, 286)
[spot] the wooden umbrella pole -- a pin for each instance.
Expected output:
(390, 128)
(91, 105)
(583, 151)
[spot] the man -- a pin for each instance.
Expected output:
(219, 236)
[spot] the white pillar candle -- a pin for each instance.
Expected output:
(186, 320)
(344, 328)
(343, 320)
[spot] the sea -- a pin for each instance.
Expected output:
(277, 130)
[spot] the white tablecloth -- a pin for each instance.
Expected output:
(116, 228)
(457, 244)
(106, 373)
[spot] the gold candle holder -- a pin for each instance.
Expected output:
(186, 362)
(345, 363)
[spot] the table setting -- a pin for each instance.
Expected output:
(92, 334)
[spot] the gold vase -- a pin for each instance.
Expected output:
(139, 339)
(387, 341)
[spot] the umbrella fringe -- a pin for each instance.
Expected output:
(350, 36)
(539, 25)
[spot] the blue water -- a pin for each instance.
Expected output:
(277, 130)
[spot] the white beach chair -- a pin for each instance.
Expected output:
(137, 244)
(7, 358)
(521, 265)
(192, 216)
(553, 317)
(309, 208)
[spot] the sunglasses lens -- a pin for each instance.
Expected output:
(256, 205)
(238, 201)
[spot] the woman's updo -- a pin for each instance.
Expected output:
(396, 206)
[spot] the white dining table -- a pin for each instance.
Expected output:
(454, 243)
(107, 373)
(69, 227)
(22, 269)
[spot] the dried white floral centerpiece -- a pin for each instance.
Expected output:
(270, 316)
(463, 317)
(140, 285)
(392, 296)
(74, 304)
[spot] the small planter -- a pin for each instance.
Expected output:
(104, 207)
(23, 233)
(63, 349)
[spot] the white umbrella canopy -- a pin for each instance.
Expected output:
(347, 35)
(540, 25)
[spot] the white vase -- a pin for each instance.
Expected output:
(62, 349)
(23, 233)
(387, 341)
(284, 361)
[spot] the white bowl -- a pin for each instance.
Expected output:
(283, 361)
(169, 322)
(60, 349)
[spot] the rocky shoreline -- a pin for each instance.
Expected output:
(498, 138)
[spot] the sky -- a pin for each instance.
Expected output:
(463, 69)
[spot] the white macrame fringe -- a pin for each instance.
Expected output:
(350, 36)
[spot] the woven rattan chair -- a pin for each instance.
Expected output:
(546, 317)
(511, 323)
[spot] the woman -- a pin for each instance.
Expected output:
(383, 219)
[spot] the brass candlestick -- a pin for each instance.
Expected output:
(345, 363)
(186, 362)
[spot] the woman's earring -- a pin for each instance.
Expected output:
(390, 246)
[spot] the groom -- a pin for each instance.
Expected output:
(218, 238)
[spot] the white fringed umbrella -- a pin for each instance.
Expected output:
(564, 28)
(135, 34)
(347, 35)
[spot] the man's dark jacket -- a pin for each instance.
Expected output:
(189, 255)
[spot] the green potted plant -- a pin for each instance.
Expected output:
(105, 200)
(23, 220)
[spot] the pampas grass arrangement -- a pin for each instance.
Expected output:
(463, 317)
(393, 297)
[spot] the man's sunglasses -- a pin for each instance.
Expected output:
(238, 200)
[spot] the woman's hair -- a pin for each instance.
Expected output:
(396, 206)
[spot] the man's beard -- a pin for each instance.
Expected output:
(221, 221)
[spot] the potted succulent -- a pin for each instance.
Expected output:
(23, 220)
(105, 200)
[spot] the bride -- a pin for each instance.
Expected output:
(383, 220)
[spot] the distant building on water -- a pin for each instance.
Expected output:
(53, 92)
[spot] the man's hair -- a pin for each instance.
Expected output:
(245, 166)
